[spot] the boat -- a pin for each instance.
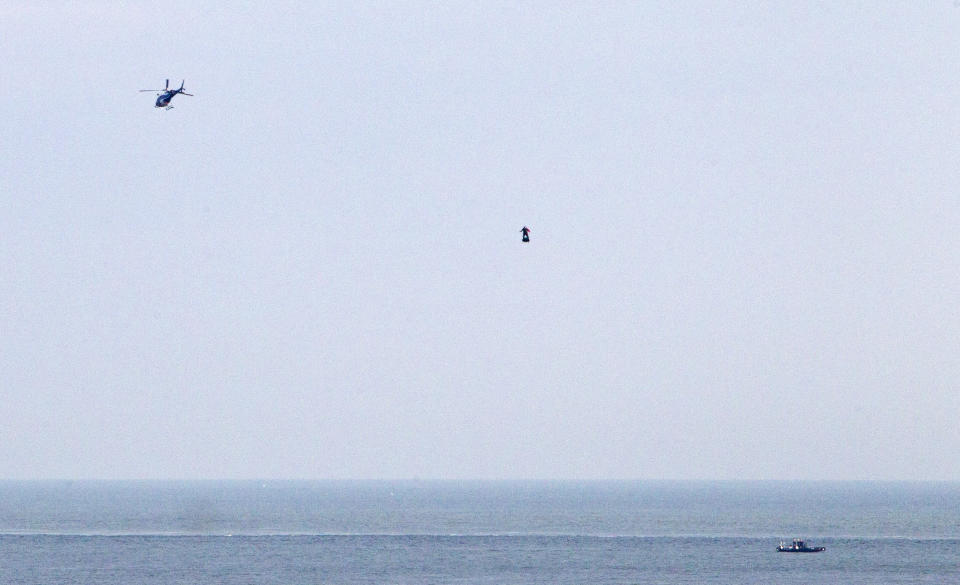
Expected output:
(799, 546)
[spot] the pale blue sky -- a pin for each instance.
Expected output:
(744, 257)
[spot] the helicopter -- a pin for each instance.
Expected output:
(163, 99)
(526, 234)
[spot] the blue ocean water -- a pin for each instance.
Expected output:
(477, 532)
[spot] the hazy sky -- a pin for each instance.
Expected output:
(745, 257)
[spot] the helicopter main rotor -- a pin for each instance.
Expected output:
(167, 88)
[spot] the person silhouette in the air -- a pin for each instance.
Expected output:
(526, 234)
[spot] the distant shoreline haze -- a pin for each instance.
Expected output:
(594, 508)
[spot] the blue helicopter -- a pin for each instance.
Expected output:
(163, 99)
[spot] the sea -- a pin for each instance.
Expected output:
(476, 532)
